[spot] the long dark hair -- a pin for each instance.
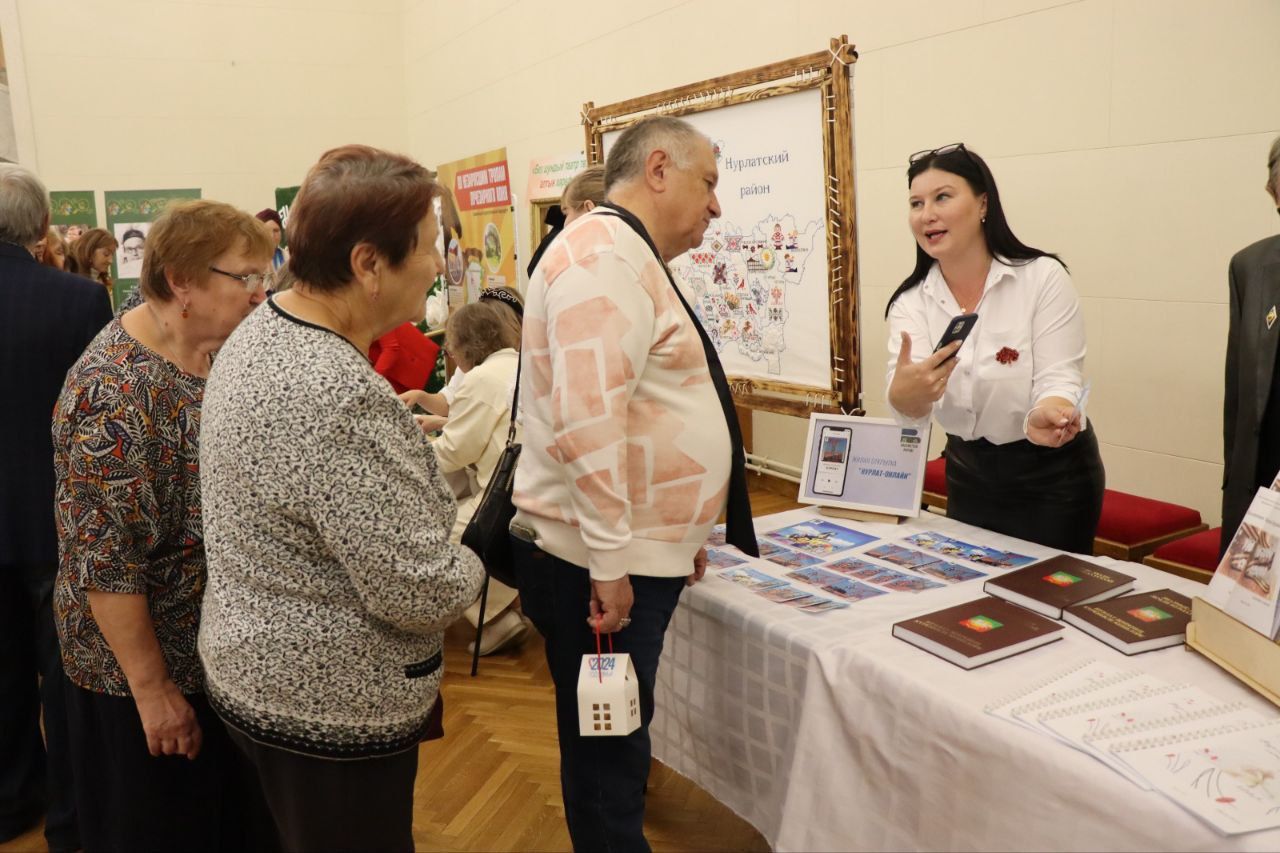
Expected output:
(999, 236)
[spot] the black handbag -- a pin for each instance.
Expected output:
(487, 531)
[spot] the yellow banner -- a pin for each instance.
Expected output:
(478, 222)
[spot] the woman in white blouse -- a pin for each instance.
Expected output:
(1021, 457)
(483, 339)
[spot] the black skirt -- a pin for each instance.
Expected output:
(1048, 495)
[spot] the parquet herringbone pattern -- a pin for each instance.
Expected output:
(493, 782)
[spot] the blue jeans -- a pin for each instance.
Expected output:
(602, 778)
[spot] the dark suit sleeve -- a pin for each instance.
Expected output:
(1231, 388)
(97, 313)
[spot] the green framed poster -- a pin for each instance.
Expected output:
(284, 203)
(72, 208)
(129, 217)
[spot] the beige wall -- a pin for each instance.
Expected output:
(233, 97)
(1128, 135)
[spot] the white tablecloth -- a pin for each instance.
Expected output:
(827, 733)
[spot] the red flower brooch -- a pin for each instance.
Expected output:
(1007, 355)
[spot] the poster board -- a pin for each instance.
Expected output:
(284, 204)
(71, 208)
(548, 176)
(866, 464)
(478, 218)
(775, 280)
(129, 217)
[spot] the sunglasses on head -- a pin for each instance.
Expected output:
(936, 152)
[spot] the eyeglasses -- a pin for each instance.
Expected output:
(251, 281)
(936, 152)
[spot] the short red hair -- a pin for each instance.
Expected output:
(356, 194)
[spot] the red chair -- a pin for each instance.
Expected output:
(1194, 556)
(1131, 527)
(935, 484)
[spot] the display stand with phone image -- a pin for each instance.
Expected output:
(833, 460)
(866, 468)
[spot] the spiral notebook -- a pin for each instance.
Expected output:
(1223, 718)
(1061, 687)
(1229, 779)
(1128, 686)
(1084, 726)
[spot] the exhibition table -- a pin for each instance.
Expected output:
(827, 733)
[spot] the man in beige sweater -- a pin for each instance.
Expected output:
(629, 453)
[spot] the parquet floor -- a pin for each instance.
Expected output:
(493, 782)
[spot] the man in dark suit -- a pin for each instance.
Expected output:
(47, 317)
(1251, 408)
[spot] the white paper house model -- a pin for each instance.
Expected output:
(608, 696)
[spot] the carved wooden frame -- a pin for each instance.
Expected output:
(828, 70)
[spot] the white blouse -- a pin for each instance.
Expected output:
(1027, 345)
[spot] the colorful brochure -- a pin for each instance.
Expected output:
(950, 572)
(792, 559)
(820, 538)
(717, 559)
(900, 556)
(948, 547)
(838, 585)
(1247, 582)
(751, 579)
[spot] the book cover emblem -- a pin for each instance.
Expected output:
(1062, 579)
(981, 624)
(1150, 613)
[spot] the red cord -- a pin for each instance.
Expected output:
(599, 664)
(599, 670)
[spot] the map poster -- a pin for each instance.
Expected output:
(759, 281)
(870, 464)
(129, 217)
(480, 246)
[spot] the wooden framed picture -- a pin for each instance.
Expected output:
(775, 279)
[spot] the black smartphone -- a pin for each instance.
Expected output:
(958, 328)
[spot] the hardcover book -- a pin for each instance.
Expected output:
(1133, 624)
(978, 632)
(1059, 582)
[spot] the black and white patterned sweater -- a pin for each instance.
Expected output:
(326, 521)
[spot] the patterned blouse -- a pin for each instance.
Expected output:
(126, 458)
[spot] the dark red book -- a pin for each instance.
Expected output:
(1133, 624)
(1059, 582)
(978, 632)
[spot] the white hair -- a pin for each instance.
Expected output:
(24, 205)
(629, 154)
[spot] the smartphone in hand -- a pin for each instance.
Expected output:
(958, 328)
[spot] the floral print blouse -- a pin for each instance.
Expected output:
(126, 459)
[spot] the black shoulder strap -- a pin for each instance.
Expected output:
(740, 531)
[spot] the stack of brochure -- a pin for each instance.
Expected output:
(1218, 760)
(820, 558)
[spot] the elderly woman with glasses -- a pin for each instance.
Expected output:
(331, 572)
(152, 764)
(1021, 457)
